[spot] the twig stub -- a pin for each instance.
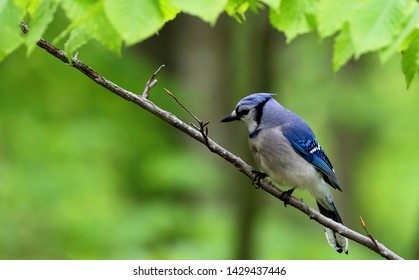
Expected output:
(369, 234)
(151, 82)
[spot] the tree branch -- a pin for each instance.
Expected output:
(201, 134)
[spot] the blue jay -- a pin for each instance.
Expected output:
(285, 149)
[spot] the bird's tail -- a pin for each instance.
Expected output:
(337, 241)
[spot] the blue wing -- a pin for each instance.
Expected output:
(304, 142)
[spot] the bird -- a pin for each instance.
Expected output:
(285, 149)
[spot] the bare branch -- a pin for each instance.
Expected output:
(201, 135)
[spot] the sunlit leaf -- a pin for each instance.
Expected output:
(207, 10)
(169, 12)
(332, 14)
(273, 4)
(402, 40)
(292, 17)
(41, 16)
(343, 49)
(92, 24)
(11, 35)
(76, 9)
(134, 20)
(374, 24)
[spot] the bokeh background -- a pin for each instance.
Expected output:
(87, 175)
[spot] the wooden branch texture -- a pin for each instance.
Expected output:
(200, 134)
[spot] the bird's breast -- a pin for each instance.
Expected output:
(275, 156)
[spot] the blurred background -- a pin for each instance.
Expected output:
(86, 175)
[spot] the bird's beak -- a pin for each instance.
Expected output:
(232, 117)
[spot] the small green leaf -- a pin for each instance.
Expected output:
(76, 11)
(237, 9)
(78, 38)
(343, 49)
(207, 10)
(135, 20)
(10, 33)
(292, 17)
(374, 24)
(410, 61)
(41, 16)
(93, 25)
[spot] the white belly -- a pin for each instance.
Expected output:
(275, 156)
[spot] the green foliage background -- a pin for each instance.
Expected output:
(357, 26)
(86, 175)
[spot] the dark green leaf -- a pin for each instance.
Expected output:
(410, 61)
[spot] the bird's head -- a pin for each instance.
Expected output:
(249, 110)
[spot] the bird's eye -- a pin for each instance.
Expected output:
(243, 112)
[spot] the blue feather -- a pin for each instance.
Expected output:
(303, 141)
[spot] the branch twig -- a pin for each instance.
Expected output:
(203, 126)
(201, 136)
(369, 234)
(151, 83)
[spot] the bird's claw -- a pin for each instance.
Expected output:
(258, 176)
(285, 196)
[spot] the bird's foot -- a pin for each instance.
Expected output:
(258, 176)
(285, 196)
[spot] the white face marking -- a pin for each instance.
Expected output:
(248, 115)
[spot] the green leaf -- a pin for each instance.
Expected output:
(77, 9)
(41, 15)
(404, 35)
(135, 20)
(169, 12)
(24, 4)
(78, 37)
(237, 9)
(332, 15)
(10, 33)
(374, 24)
(89, 22)
(293, 17)
(410, 61)
(103, 31)
(343, 49)
(273, 4)
(207, 10)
